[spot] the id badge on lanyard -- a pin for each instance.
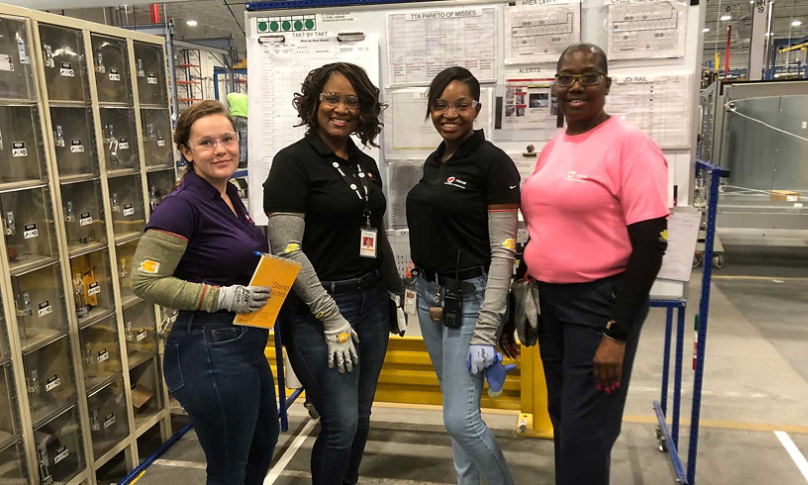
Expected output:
(368, 235)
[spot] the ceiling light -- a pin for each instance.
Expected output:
(706, 29)
(796, 23)
(191, 23)
(726, 17)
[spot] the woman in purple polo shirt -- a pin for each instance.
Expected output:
(325, 205)
(198, 255)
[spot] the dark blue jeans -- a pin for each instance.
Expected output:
(219, 374)
(343, 400)
(586, 422)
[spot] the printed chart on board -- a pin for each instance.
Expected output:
(421, 44)
(539, 33)
(281, 69)
(402, 176)
(641, 29)
(409, 134)
(531, 105)
(657, 104)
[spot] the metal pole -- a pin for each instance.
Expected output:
(726, 54)
(175, 109)
(233, 55)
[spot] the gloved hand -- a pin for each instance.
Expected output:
(243, 299)
(496, 374)
(340, 338)
(527, 312)
(480, 357)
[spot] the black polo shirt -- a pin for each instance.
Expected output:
(302, 179)
(447, 211)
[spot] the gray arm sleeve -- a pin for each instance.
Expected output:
(286, 240)
(157, 256)
(389, 271)
(502, 226)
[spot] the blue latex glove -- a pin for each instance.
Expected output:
(496, 374)
(480, 357)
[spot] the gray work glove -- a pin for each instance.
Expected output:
(527, 311)
(340, 338)
(243, 299)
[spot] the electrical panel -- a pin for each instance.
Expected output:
(40, 307)
(74, 142)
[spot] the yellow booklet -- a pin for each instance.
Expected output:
(277, 274)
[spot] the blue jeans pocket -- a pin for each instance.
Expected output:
(172, 368)
(225, 335)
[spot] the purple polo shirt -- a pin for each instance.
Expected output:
(221, 246)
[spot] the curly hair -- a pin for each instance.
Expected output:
(370, 109)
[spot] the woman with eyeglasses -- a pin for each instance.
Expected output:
(462, 217)
(324, 201)
(198, 256)
(596, 209)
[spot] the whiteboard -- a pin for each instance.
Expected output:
(685, 60)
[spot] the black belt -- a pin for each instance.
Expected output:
(364, 282)
(450, 281)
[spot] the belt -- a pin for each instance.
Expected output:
(449, 282)
(364, 282)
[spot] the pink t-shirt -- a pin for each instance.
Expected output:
(584, 193)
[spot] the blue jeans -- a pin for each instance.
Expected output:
(343, 400)
(219, 374)
(586, 422)
(476, 451)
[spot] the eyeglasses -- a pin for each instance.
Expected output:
(334, 99)
(462, 104)
(227, 140)
(586, 79)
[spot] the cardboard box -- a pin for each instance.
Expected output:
(785, 196)
(141, 395)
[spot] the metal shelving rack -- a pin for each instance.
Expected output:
(189, 77)
(87, 134)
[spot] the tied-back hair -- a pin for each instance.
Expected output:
(182, 132)
(602, 60)
(307, 101)
(445, 78)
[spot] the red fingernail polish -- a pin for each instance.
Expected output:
(600, 388)
(618, 385)
(608, 391)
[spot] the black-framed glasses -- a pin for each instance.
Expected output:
(461, 104)
(586, 79)
(334, 99)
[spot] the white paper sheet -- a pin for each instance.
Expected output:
(422, 43)
(683, 232)
(402, 176)
(657, 104)
(530, 104)
(539, 32)
(409, 135)
(639, 29)
(277, 72)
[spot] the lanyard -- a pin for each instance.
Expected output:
(362, 180)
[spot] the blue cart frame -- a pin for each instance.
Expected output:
(669, 437)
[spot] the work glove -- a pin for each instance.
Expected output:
(527, 312)
(243, 299)
(496, 374)
(340, 338)
(480, 357)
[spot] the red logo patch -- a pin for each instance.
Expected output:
(450, 180)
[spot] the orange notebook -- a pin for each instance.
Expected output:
(275, 273)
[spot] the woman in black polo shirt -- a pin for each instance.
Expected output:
(196, 256)
(462, 217)
(324, 201)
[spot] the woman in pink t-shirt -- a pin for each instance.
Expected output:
(596, 209)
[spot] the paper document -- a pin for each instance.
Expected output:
(277, 70)
(402, 177)
(658, 105)
(683, 232)
(422, 43)
(539, 33)
(639, 29)
(530, 105)
(409, 133)
(277, 274)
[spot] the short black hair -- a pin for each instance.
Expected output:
(445, 77)
(602, 60)
(370, 109)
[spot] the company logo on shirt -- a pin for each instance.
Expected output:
(576, 177)
(455, 182)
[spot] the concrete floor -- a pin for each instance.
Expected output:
(756, 382)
